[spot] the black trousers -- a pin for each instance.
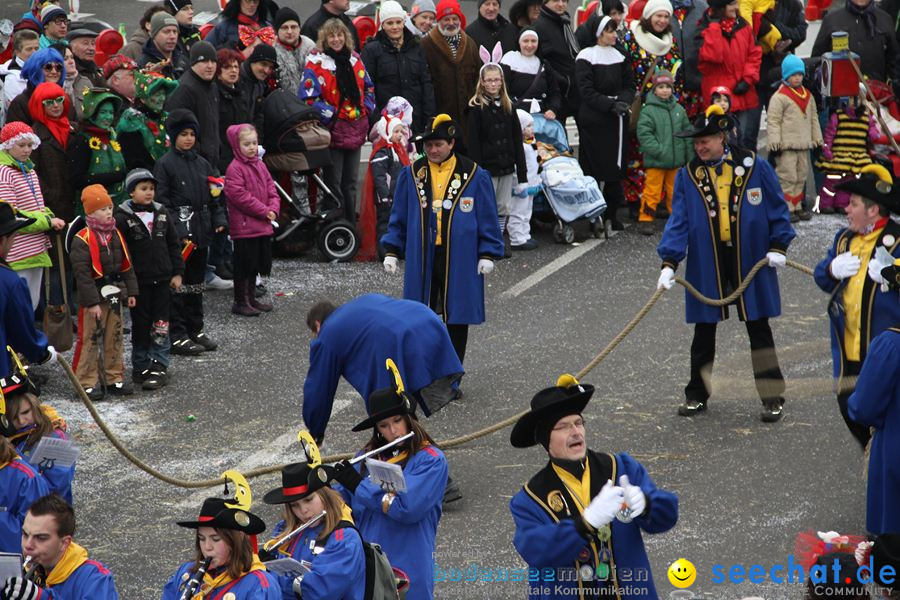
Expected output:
(860, 432)
(252, 257)
(150, 325)
(614, 194)
(459, 333)
(766, 372)
(187, 307)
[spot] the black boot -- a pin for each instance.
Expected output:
(241, 305)
(250, 287)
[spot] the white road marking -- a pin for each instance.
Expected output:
(554, 266)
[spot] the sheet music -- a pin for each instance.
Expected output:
(386, 475)
(10, 566)
(54, 452)
(287, 566)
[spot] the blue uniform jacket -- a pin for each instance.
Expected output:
(17, 321)
(58, 478)
(20, 486)
(469, 233)
(90, 581)
(357, 338)
(880, 310)
(876, 402)
(255, 585)
(546, 542)
(762, 224)
(338, 566)
(406, 533)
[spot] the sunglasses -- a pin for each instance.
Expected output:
(54, 101)
(53, 67)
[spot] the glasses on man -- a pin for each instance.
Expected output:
(53, 67)
(576, 424)
(54, 101)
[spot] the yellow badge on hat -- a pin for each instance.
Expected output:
(241, 518)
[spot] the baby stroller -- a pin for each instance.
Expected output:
(570, 194)
(295, 142)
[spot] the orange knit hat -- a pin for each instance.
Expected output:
(95, 197)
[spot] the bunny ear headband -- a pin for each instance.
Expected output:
(490, 59)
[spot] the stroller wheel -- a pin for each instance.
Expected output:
(338, 241)
(563, 233)
(597, 228)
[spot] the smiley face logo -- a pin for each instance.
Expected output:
(682, 573)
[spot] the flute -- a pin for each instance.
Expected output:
(30, 568)
(196, 580)
(275, 542)
(400, 439)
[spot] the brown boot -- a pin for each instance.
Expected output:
(241, 306)
(252, 299)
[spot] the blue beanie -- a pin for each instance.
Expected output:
(791, 65)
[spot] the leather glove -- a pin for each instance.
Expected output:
(485, 266)
(391, 264)
(602, 509)
(634, 496)
(666, 278)
(621, 108)
(347, 476)
(19, 588)
(776, 259)
(741, 88)
(874, 270)
(844, 265)
(51, 355)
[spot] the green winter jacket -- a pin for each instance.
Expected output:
(659, 122)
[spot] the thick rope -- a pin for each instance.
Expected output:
(450, 443)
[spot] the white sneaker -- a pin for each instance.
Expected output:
(217, 283)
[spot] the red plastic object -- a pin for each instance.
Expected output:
(109, 41)
(205, 29)
(815, 9)
(582, 14)
(365, 28)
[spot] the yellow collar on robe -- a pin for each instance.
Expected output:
(72, 558)
(580, 490)
(212, 583)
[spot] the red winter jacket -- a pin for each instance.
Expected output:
(728, 60)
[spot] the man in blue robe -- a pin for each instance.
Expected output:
(444, 223)
(728, 213)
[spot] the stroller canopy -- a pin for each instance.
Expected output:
(281, 114)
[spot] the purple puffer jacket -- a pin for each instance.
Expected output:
(250, 192)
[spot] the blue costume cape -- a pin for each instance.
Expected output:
(406, 533)
(471, 232)
(20, 486)
(17, 321)
(880, 310)
(762, 224)
(547, 539)
(255, 585)
(90, 581)
(58, 478)
(357, 338)
(338, 568)
(876, 402)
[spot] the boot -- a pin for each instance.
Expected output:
(241, 306)
(250, 294)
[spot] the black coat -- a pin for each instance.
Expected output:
(541, 87)
(231, 112)
(89, 69)
(488, 33)
(400, 72)
(494, 141)
(878, 57)
(183, 188)
(201, 98)
(314, 23)
(558, 53)
(789, 20)
(156, 256)
(252, 93)
(178, 64)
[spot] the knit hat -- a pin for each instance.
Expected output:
(179, 120)
(14, 131)
(791, 65)
(135, 176)
(525, 118)
(718, 3)
(95, 197)
(422, 6)
(116, 62)
(27, 23)
(94, 97)
(285, 14)
(263, 52)
(480, 2)
(654, 6)
(386, 126)
(161, 20)
(449, 7)
(50, 12)
(202, 51)
(177, 5)
(391, 9)
(663, 77)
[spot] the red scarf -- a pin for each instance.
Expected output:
(800, 96)
(92, 130)
(59, 127)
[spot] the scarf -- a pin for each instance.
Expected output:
(453, 42)
(569, 35)
(650, 42)
(867, 14)
(101, 228)
(59, 127)
(346, 80)
(211, 582)
(800, 96)
(728, 26)
(72, 558)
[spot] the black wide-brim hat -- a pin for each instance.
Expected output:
(549, 403)
(10, 220)
(442, 127)
(385, 403)
(214, 513)
(713, 122)
(891, 274)
(872, 187)
(298, 481)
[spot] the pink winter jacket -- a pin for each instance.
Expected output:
(250, 192)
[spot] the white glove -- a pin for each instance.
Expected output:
(875, 268)
(602, 509)
(51, 355)
(485, 266)
(391, 264)
(296, 585)
(634, 496)
(19, 588)
(844, 265)
(776, 259)
(666, 278)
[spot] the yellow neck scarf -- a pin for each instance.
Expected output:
(72, 558)
(580, 490)
(211, 583)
